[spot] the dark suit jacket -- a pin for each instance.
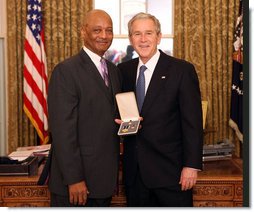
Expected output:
(171, 136)
(82, 110)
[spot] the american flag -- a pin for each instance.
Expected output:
(35, 71)
(236, 113)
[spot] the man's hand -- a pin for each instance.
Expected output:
(119, 121)
(78, 193)
(188, 178)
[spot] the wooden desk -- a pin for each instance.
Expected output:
(23, 191)
(220, 184)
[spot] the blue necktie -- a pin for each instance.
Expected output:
(140, 88)
(104, 70)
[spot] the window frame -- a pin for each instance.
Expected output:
(119, 36)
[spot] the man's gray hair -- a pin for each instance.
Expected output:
(142, 15)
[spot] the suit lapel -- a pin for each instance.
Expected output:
(92, 70)
(114, 86)
(133, 76)
(159, 78)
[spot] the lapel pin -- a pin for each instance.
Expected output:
(163, 77)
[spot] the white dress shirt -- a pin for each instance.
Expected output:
(150, 65)
(95, 58)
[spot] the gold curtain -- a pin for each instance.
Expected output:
(62, 19)
(204, 36)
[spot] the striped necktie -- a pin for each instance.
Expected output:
(140, 88)
(104, 70)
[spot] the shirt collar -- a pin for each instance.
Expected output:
(94, 57)
(152, 62)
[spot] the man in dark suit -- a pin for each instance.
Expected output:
(82, 110)
(162, 160)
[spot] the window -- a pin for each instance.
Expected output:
(121, 11)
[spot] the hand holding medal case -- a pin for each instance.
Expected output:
(128, 109)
